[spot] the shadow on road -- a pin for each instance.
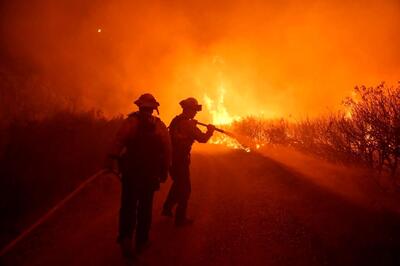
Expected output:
(343, 232)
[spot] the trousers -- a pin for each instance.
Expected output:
(179, 192)
(135, 212)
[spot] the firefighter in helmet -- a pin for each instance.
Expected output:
(183, 132)
(143, 150)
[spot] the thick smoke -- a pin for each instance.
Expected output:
(272, 57)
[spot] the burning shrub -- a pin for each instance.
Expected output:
(367, 132)
(262, 131)
(375, 116)
(252, 127)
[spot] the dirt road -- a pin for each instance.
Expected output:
(249, 209)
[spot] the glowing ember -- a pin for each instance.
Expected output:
(229, 142)
(348, 114)
(98, 30)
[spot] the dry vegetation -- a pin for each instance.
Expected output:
(48, 145)
(44, 160)
(367, 131)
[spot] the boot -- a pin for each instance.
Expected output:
(142, 246)
(183, 222)
(167, 213)
(126, 247)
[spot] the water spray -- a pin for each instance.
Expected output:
(229, 134)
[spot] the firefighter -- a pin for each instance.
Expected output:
(183, 132)
(143, 150)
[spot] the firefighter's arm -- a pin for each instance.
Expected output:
(198, 134)
(167, 151)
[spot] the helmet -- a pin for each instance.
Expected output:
(190, 103)
(147, 100)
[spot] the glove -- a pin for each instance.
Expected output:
(172, 173)
(163, 173)
(111, 165)
(163, 178)
(210, 128)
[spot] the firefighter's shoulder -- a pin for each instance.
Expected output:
(159, 123)
(188, 126)
(132, 118)
(130, 122)
(189, 123)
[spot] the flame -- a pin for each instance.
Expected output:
(221, 117)
(217, 109)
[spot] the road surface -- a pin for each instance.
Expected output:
(249, 209)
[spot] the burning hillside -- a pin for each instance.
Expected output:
(365, 131)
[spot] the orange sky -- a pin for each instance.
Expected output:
(276, 58)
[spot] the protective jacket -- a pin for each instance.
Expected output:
(184, 132)
(144, 150)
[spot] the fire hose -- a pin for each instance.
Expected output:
(219, 130)
(245, 142)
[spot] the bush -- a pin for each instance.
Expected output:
(367, 131)
(43, 160)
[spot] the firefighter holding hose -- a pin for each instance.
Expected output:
(184, 133)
